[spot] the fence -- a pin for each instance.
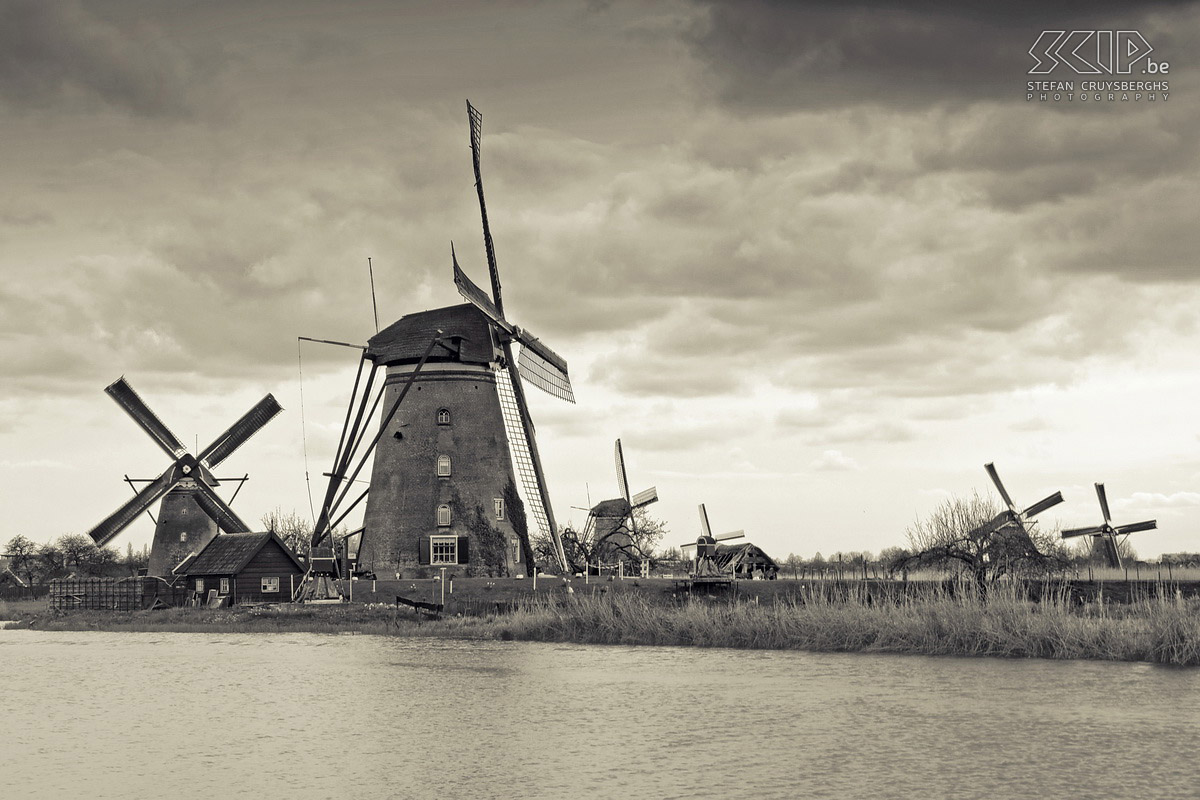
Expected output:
(113, 594)
(11, 593)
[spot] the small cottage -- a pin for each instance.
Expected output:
(242, 568)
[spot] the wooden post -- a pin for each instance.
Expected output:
(442, 580)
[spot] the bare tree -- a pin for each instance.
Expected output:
(964, 533)
(295, 531)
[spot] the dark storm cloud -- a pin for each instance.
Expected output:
(776, 55)
(52, 53)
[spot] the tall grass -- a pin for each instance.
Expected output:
(935, 622)
(932, 620)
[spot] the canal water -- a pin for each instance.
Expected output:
(100, 715)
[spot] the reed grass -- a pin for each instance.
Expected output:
(932, 621)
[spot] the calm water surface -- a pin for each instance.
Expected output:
(302, 715)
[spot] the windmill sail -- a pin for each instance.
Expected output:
(522, 460)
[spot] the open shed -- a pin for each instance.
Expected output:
(243, 568)
(746, 561)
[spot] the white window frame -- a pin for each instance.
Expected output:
(444, 516)
(224, 586)
(269, 585)
(443, 416)
(443, 466)
(438, 559)
(200, 585)
(498, 507)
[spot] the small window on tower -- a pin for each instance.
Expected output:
(183, 536)
(443, 516)
(498, 506)
(443, 466)
(443, 417)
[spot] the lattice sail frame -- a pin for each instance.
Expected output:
(519, 450)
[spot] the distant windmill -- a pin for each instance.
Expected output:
(1011, 516)
(187, 483)
(1107, 532)
(706, 548)
(611, 528)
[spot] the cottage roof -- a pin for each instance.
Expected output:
(464, 328)
(229, 553)
(737, 553)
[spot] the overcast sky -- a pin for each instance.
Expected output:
(815, 265)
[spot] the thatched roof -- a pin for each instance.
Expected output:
(464, 328)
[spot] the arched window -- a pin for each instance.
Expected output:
(443, 516)
(443, 466)
(443, 416)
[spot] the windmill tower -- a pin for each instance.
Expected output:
(1107, 533)
(611, 528)
(464, 432)
(191, 511)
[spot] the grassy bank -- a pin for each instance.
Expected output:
(1007, 624)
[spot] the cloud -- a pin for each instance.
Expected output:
(771, 54)
(835, 461)
(60, 53)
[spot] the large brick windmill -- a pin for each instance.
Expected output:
(463, 433)
(191, 509)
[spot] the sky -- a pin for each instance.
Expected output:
(815, 264)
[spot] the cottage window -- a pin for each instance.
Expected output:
(443, 416)
(443, 466)
(224, 585)
(443, 516)
(270, 585)
(443, 549)
(200, 585)
(498, 507)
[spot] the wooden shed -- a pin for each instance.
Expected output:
(746, 561)
(243, 568)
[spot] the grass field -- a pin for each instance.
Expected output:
(928, 619)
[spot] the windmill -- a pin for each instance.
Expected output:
(444, 465)
(611, 528)
(1011, 517)
(1107, 532)
(192, 510)
(539, 365)
(706, 550)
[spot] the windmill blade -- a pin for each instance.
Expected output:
(477, 297)
(645, 498)
(544, 368)
(250, 423)
(1094, 530)
(133, 405)
(1103, 502)
(1134, 527)
(117, 521)
(622, 478)
(476, 120)
(1042, 505)
(730, 535)
(991, 471)
(208, 499)
(704, 528)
